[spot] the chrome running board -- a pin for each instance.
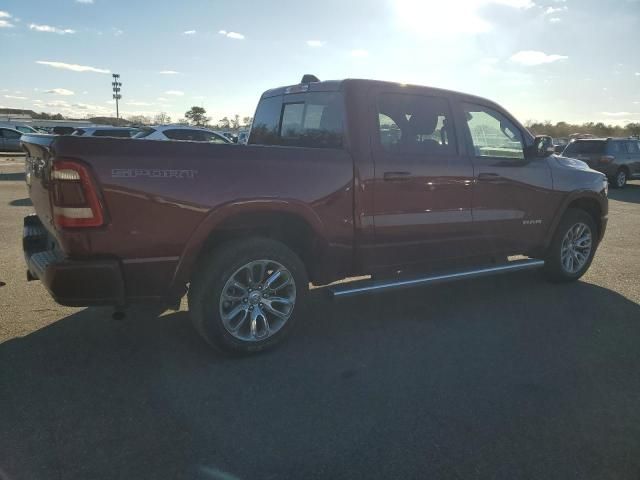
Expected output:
(372, 286)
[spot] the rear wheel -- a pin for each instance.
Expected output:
(246, 296)
(620, 178)
(572, 248)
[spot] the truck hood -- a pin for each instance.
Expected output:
(571, 163)
(570, 174)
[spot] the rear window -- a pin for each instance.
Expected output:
(312, 120)
(78, 132)
(585, 147)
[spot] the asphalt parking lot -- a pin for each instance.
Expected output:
(502, 378)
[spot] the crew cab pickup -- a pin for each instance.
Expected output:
(410, 185)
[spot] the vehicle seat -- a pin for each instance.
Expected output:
(421, 124)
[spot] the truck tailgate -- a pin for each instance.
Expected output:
(37, 168)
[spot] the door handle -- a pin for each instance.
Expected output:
(396, 176)
(488, 177)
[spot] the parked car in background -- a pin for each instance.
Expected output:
(60, 130)
(121, 132)
(231, 136)
(10, 140)
(560, 144)
(339, 179)
(181, 132)
(243, 137)
(617, 158)
(22, 128)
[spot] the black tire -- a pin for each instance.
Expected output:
(553, 267)
(216, 268)
(619, 180)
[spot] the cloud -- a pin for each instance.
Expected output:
(139, 104)
(552, 10)
(168, 72)
(4, 23)
(73, 67)
(57, 103)
(162, 99)
(637, 74)
(532, 57)
(85, 2)
(449, 17)
(50, 29)
(234, 35)
(189, 32)
(359, 53)
(176, 93)
(315, 43)
(15, 97)
(60, 91)
(618, 114)
(554, 20)
(117, 32)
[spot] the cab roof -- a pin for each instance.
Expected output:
(360, 83)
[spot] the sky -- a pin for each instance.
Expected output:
(556, 60)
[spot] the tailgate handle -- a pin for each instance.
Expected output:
(396, 176)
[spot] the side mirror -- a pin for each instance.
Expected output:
(543, 146)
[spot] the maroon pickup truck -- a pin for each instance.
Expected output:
(410, 185)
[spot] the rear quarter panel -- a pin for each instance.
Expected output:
(163, 199)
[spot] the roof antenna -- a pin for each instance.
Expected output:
(308, 78)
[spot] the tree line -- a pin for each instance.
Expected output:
(564, 129)
(196, 116)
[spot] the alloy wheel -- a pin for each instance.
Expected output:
(257, 300)
(576, 248)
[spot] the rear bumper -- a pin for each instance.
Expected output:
(70, 282)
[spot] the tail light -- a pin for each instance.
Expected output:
(607, 159)
(75, 196)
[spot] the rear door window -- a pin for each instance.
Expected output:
(179, 134)
(415, 124)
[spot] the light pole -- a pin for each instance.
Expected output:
(116, 84)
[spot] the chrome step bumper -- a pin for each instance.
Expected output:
(373, 286)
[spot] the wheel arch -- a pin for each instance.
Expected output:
(588, 201)
(293, 223)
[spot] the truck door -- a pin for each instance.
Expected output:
(422, 187)
(512, 191)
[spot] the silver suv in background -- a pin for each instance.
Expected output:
(121, 132)
(181, 132)
(617, 158)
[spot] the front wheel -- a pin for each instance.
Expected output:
(572, 248)
(246, 295)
